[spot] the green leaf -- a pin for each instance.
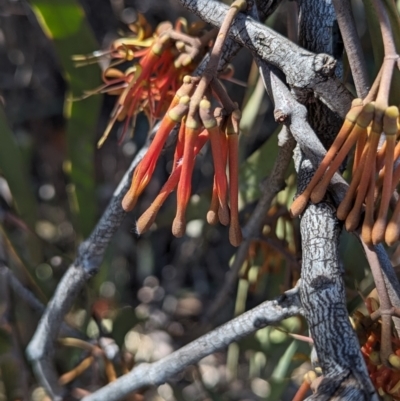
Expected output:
(72, 18)
(65, 24)
(279, 379)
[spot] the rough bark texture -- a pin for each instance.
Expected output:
(323, 298)
(306, 71)
(231, 48)
(322, 288)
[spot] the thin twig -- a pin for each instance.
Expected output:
(211, 69)
(33, 303)
(90, 254)
(352, 45)
(389, 60)
(267, 313)
(385, 304)
(304, 70)
(294, 115)
(391, 282)
(231, 48)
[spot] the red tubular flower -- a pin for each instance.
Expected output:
(147, 218)
(132, 96)
(235, 233)
(145, 169)
(359, 129)
(192, 131)
(180, 144)
(301, 201)
(353, 217)
(220, 180)
(347, 203)
(366, 231)
(390, 129)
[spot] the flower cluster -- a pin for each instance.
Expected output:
(385, 378)
(158, 64)
(195, 130)
(375, 176)
(191, 108)
(157, 84)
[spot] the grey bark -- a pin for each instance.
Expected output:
(322, 288)
(306, 72)
(311, 77)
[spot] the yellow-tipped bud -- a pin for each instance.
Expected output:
(366, 115)
(375, 358)
(113, 73)
(394, 361)
(180, 45)
(186, 60)
(390, 120)
(176, 113)
(207, 118)
(241, 5)
(192, 123)
(310, 376)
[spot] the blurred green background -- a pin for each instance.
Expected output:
(152, 293)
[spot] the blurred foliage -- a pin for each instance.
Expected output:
(152, 293)
(65, 24)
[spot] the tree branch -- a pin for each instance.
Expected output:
(268, 313)
(24, 294)
(323, 298)
(305, 71)
(322, 289)
(294, 116)
(90, 254)
(231, 48)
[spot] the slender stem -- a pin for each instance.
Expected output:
(391, 55)
(216, 52)
(223, 96)
(385, 303)
(212, 67)
(352, 45)
(145, 374)
(375, 87)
